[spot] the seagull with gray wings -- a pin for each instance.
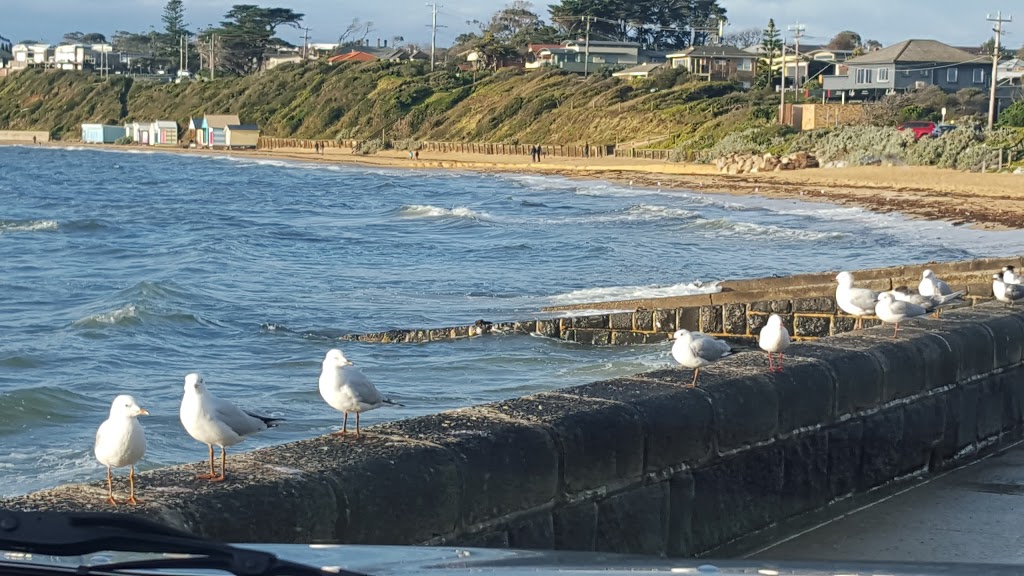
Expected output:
(930, 303)
(217, 422)
(855, 301)
(892, 311)
(696, 350)
(1009, 293)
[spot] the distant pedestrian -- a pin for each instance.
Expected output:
(417, 154)
(34, 141)
(410, 155)
(322, 146)
(586, 150)
(316, 148)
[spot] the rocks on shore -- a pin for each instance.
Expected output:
(753, 163)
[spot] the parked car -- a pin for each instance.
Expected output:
(920, 128)
(942, 129)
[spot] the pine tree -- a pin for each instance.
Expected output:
(771, 46)
(174, 19)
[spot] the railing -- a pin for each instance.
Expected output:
(553, 150)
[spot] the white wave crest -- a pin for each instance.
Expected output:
(764, 231)
(614, 293)
(27, 225)
(427, 211)
(126, 313)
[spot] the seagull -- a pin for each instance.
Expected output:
(696, 350)
(774, 338)
(1009, 293)
(346, 389)
(931, 303)
(214, 421)
(891, 311)
(121, 441)
(858, 302)
(1010, 275)
(931, 285)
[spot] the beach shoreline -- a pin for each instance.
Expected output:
(983, 201)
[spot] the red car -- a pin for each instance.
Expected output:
(920, 128)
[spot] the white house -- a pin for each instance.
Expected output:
(26, 55)
(139, 132)
(74, 56)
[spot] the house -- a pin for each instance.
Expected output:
(241, 136)
(192, 130)
(212, 132)
(274, 60)
(579, 56)
(5, 52)
(717, 63)
(74, 57)
(31, 55)
(533, 55)
(642, 71)
(139, 132)
(353, 56)
(1011, 72)
(101, 133)
(367, 54)
(164, 133)
(909, 65)
(477, 60)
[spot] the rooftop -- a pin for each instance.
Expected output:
(917, 51)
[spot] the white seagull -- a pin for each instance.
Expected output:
(931, 285)
(774, 338)
(121, 441)
(891, 311)
(1010, 275)
(696, 350)
(1009, 293)
(857, 302)
(346, 389)
(214, 421)
(931, 303)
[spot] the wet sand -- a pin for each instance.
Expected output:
(987, 201)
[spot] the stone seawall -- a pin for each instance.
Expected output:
(806, 303)
(638, 465)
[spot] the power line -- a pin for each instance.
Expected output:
(305, 43)
(995, 64)
(433, 32)
(798, 33)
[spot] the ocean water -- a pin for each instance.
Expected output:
(122, 272)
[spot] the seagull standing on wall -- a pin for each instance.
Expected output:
(1010, 275)
(932, 286)
(121, 441)
(346, 389)
(696, 350)
(930, 303)
(1009, 293)
(857, 302)
(774, 338)
(217, 422)
(891, 311)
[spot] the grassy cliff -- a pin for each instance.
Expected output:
(400, 101)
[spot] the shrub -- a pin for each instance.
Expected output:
(1013, 115)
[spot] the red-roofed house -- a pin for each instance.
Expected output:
(353, 56)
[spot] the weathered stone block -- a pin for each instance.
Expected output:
(656, 338)
(602, 442)
(635, 521)
(507, 466)
(534, 533)
(968, 415)
(590, 322)
(711, 320)
(883, 448)
(680, 517)
(548, 328)
(665, 321)
(526, 327)
(806, 395)
(973, 344)
(812, 326)
(845, 443)
(644, 320)
(677, 421)
(688, 319)
(990, 408)
(735, 318)
(621, 321)
(821, 305)
(745, 403)
(1008, 338)
(924, 426)
(575, 527)
(772, 306)
(736, 496)
(628, 338)
(805, 483)
(592, 337)
(902, 366)
(857, 374)
(1012, 384)
(841, 324)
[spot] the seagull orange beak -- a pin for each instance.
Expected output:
(143, 412)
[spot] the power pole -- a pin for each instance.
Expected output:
(213, 54)
(798, 33)
(586, 49)
(305, 44)
(995, 64)
(433, 32)
(186, 52)
(181, 52)
(782, 88)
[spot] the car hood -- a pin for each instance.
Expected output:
(444, 561)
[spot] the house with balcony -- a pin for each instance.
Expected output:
(31, 56)
(75, 56)
(909, 65)
(717, 63)
(579, 56)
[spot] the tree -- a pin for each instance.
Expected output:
(771, 49)
(174, 19)
(79, 38)
(517, 25)
(845, 40)
(990, 46)
(356, 33)
(655, 24)
(246, 33)
(744, 38)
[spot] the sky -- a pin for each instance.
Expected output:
(952, 21)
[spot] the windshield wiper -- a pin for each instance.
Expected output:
(81, 533)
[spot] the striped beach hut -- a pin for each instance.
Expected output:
(164, 133)
(214, 126)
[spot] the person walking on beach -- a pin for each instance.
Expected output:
(586, 150)
(417, 154)
(316, 148)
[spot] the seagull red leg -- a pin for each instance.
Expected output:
(771, 367)
(131, 483)
(223, 466)
(696, 371)
(212, 474)
(110, 488)
(344, 427)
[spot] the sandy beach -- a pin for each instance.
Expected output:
(988, 201)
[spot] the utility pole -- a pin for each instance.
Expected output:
(433, 32)
(305, 44)
(798, 33)
(213, 59)
(181, 52)
(586, 49)
(995, 64)
(782, 88)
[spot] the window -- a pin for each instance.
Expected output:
(951, 75)
(883, 74)
(979, 75)
(746, 65)
(864, 76)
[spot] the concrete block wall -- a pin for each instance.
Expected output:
(638, 465)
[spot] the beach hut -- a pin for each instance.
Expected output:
(101, 133)
(164, 133)
(139, 132)
(242, 135)
(195, 130)
(214, 126)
